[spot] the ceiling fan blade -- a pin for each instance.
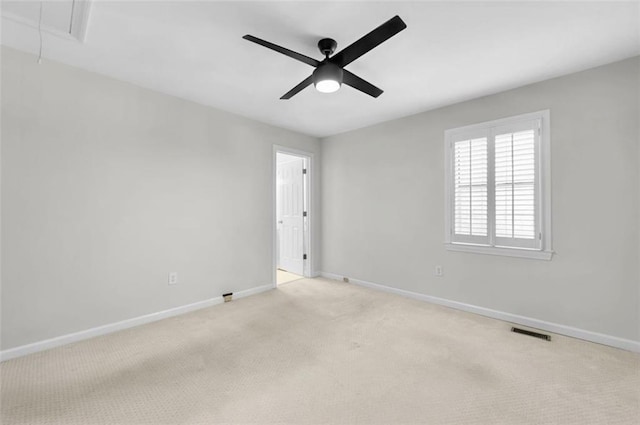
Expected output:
(283, 50)
(297, 89)
(369, 41)
(358, 83)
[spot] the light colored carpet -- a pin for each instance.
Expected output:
(319, 351)
(283, 276)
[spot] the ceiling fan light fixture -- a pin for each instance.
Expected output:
(327, 78)
(327, 86)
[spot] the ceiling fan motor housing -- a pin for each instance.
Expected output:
(327, 71)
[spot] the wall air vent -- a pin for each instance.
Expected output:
(531, 333)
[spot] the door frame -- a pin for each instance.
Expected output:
(308, 199)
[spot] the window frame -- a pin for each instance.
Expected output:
(543, 187)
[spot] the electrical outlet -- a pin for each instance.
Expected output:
(173, 278)
(438, 271)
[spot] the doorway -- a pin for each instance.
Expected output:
(292, 215)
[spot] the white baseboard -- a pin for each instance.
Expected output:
(613, 341)
(46, 344)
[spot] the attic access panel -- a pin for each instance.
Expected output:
(65, 18)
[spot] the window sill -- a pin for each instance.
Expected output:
(507, 252)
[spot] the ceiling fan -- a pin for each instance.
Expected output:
(330, 74)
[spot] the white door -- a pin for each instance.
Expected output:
(290, 200)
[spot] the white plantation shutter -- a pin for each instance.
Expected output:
(498, 187)
(470, 190)
(515, 185)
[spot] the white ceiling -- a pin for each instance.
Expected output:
(450, 51)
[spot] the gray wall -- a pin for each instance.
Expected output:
(383, 212)
(107, 187)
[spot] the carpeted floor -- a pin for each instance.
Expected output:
(323, 352)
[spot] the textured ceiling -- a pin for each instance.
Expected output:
(450, 51)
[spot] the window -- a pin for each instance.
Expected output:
(497, 193)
